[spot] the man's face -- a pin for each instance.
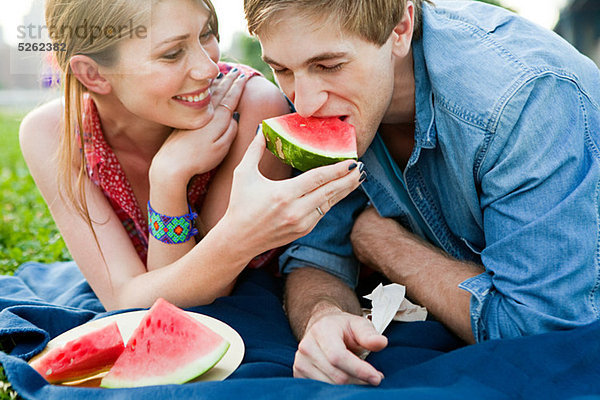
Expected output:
(327, 72)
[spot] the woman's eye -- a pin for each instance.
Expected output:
(173, 55)
(206, 36)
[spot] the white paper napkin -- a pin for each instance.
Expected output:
(390, 304)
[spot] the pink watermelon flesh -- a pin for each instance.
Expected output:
(307, 143)
(86, 356)
(326, 135)
(167, 347)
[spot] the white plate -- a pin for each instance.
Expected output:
(127, 323)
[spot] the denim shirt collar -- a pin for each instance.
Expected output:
(385, 185)
(425, 132)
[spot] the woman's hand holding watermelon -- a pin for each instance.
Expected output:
(267, 214)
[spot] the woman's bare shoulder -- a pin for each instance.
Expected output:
(40, 129)
(42, 122)
(260, 95)
(39, 135)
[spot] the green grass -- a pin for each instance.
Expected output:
(27, 231)
(6, 393)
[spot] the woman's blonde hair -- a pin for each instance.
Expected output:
(372, 20)
(91, 28)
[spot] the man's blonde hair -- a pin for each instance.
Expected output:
(372, 20)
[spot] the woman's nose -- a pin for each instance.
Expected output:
(202, 65)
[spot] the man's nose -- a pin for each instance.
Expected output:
(309, 96)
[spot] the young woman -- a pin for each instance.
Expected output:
(150, 150)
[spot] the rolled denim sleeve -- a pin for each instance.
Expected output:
(540, 180)
(328, 246)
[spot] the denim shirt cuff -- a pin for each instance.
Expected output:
(296, 256)
(480, 287)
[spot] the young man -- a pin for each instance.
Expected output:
(479, 134)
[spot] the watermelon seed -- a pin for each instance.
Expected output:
(148, 322)
(49, 371)
(158, 323)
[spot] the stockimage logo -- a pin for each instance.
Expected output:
(37, 45)
(84, 30)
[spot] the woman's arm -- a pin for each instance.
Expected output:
(113, 268)
(168, 192)
(187, 153)
(39, 138)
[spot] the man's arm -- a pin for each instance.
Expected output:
(431, 277)
(324, 315)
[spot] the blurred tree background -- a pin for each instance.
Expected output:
(246, 50)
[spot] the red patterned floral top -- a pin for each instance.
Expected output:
(105, 171)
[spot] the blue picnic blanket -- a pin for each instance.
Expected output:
(423, 360)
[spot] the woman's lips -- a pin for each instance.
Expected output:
(194, 100)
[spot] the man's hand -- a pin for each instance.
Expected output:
(328, 351)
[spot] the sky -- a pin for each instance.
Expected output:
(231, 16)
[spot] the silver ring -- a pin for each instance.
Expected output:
(226, 106)
(321, 213)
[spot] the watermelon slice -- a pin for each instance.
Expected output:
(306, 143)
(83, 357)
(168, 346)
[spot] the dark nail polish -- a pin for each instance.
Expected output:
(258, 129)
(220, 75)
(352, 166)
(363, 177)
(362, 166)
(241, 76)
(236, 116)
(234, 70)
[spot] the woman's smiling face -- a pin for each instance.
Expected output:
(165, 77)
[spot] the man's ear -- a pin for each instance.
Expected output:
(86, 71)
(403, 32)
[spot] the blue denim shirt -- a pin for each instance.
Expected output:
(505, 172)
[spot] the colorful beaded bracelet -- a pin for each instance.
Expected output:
(172, 230)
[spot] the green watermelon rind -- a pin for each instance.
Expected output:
(294, 154)
(182, 375)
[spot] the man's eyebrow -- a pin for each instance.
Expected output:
(315, 59)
